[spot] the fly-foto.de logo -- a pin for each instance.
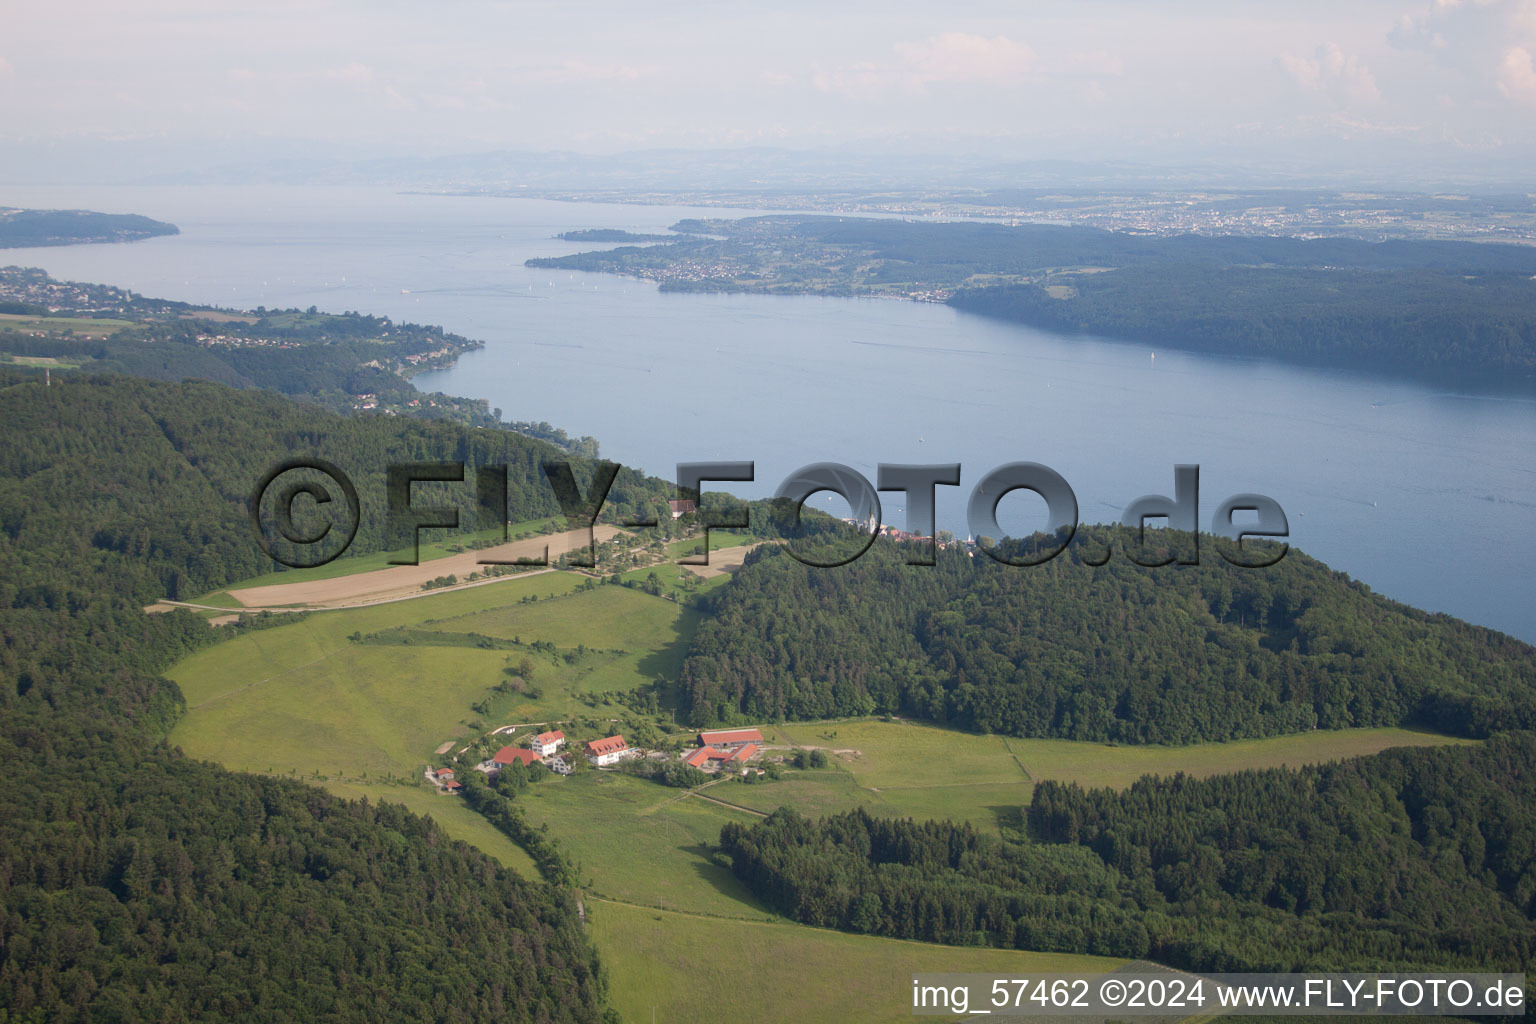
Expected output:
(306, 511)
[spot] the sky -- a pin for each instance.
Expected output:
(1348, 80)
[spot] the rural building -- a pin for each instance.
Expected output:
(506, 755)
(558, 766)
(444, 774)
(681, 508)
(452, 787)
(730, 737)
(547, 744)
(718, 757)
(608, 751)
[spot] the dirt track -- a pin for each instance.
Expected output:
(722, 561)
(405, 580)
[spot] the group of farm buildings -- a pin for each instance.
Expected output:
(717, 750)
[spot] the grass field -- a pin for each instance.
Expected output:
(86, 327)
(683, 934)
(675, 580)
(643, 842)
(717, 539)
(52, 362)
(632, 637)
(684, 968)
(926, 771)
(442, 548)
(430, 551)
(304, 697)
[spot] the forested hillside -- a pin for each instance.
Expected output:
(1408, 860)
(1177, 654)
(142, 486)
(20, 228)
(1393, 305)
(1391, 319)
(136, 884)
(344, 362)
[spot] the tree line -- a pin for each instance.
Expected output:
(1414, 859)
(137, 884)
(1408, 319)
(1117, 652)
(1415, 304)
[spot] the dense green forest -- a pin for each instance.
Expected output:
(1414, 318)
(23, 228)
(343, 362)
(1121, 653)
(611, 235)
(136, 884)
(950, 252)
(1392, 305)
(144, 485)
(1408, 860)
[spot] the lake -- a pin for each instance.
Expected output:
(1426, 493)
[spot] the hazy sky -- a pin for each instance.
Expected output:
(1092, 77)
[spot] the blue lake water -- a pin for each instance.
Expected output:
(1426, 493)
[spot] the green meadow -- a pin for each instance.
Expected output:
(52, 362)
(675, 928)
(92, 327)
(642, 842)
(917, 770)
(674, 580)
(717, 539)
(681, 967)
(305, 699)
(631, 637)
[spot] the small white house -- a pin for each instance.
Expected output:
(607, 751)
(547, 744)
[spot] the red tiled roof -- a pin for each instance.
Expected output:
(745, 752)
(707, 739)
(453, 785)
(549, 737)
(684, 506)
(607, 746)
(701, 755)
(444, 771)
(506, 755)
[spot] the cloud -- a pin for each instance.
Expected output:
(1517, 76)
(346, 74)
(950, 57)
(353, 72)
(1332, 72)
(958, 57)
(6, 67)
(863, 81)
(1095, 62)
(1308, 73)
(1485, 45)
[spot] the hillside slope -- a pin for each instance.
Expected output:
(1122, 653)
(138, 884)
